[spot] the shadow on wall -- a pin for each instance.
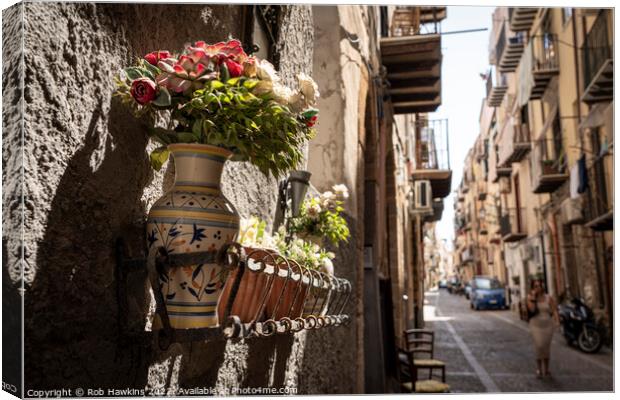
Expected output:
(326, 346)
(71, 308)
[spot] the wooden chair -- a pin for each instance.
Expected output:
(420, 341)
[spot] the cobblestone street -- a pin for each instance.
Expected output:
(491, 351)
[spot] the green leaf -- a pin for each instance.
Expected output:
(164, 136)
(158, 157)
(224, 73)
(233, 81)
(197, 127)
(134, 73)
(187, 137)
(215, 85)
(163, 98)
(152, 69)
(250, 83)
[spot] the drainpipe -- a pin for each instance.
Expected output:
(577, 80)
(554, 232)
(544, 260)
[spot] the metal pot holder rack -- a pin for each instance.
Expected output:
(279, 295)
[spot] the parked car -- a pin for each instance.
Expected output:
(453, 284)
(487, 292)
(443, 283)
(467, 290)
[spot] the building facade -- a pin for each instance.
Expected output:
(87, 182)
(546, 131)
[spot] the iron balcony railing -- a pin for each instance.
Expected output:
(432, 147)
(598, 193)
(545, 52)
(505, 39)
(549, 156)
(514, 143)
(596, 48)
(410, 21)
(512, 223)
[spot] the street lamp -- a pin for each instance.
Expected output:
(291, 193)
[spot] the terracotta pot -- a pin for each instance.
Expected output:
(287, 295)
(252, 287)
(193, 216)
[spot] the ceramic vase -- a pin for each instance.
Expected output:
(193, 216)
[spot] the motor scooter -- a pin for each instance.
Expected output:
(578, 325)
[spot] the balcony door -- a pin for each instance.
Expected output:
(600, 187)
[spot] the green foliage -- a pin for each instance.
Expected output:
(320, 217)
(226, 114)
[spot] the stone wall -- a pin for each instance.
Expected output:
(88, 181)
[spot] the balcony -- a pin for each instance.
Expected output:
(468, 254)
(437, 211)
(482, 190)
(432, 157)
(549, 170)
(480, 149)
(412, 57)
(509, 49)
(514, 144)
(545, 62)
(521, 18)
(429, 14)
(496, 89)
(600, 210)
(512, 225)
(598, 62)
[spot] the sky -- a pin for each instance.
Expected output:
(465, 56)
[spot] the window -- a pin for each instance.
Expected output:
(567, 14)
(262, 27)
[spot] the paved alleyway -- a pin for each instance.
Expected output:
(491, 351)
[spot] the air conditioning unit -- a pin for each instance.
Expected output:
(526, 252)
(572, 212)
(422, 197)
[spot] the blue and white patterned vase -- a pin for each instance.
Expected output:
(193, 216)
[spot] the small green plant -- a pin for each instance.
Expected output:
(321, 218)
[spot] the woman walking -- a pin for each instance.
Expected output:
(542, 310)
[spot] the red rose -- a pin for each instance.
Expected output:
(154, 57)
(235, 69)
(143, 90)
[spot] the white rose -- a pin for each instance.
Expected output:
(263, 87)
(265, 71)
(282, 94)
(327, 266)
(308, 88)
(341, 191)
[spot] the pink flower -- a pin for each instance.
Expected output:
(143, 90)
(221, 51)
(154, 57)
(234, 68)
(182, 74)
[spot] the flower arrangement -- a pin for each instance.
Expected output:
(219, 95)
(310, 255)
(320, 217)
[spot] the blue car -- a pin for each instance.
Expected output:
(487, 292)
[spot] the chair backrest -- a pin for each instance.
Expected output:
(419, 341)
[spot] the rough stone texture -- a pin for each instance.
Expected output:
(12, 102)
(88, 181)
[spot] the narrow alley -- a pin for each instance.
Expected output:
(491, 351)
